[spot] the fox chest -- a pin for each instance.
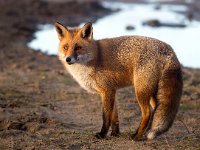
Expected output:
(83, 75)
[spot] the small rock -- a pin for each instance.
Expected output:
(152, 23)
(157, 7)
(130, 27)
(157, 23)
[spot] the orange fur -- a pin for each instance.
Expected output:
(103, 66)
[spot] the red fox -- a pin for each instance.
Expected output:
(103, 66)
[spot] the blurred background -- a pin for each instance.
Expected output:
(42, 107)
(173, 22)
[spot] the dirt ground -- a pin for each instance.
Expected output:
(42, 107)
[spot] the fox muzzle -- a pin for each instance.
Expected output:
(70, 60)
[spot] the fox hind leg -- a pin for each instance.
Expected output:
(143, 100)
(115, 122)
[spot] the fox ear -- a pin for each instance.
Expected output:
(87, 31)
(61, 30)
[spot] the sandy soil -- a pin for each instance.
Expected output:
(42, 107)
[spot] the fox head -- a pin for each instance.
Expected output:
(75, 44)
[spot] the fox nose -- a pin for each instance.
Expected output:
(68, 59)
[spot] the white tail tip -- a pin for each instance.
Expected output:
(151, 135)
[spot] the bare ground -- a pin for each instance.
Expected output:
(42, 107)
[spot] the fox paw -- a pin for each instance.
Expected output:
(137, 137)
(100, 135)
(115, 133)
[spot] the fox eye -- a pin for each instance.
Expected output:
(65, 47)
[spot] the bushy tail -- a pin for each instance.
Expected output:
(168, 97)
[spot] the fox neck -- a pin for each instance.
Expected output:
(95, 50)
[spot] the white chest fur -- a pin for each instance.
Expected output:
(82, 74)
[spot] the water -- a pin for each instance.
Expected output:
(185, 41)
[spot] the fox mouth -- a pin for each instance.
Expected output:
(82, 59)
(71, 63)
